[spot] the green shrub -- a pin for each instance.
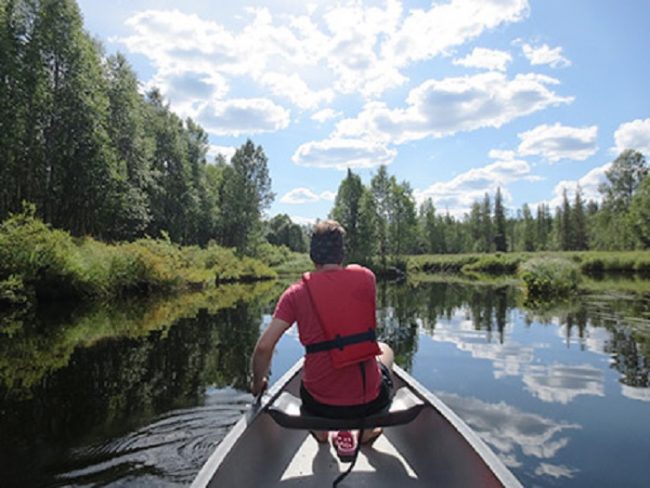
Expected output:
(549, 277)
(494, 264)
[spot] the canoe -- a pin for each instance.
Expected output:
(434, 448)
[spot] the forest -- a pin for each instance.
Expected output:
(96, 156)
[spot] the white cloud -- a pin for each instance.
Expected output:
(242, 116)
(458, 194)
(428, 33)
(490, 59)
(556, 142)
(342, 153)
(324, 115)
(305, 195)
(294, 89)
(226, 151)
(309, 58)
(589, 184)
(633, 135)
(444, 107)
(545, 55)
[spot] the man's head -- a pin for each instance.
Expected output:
(327, 243)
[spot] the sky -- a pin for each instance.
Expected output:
(456, 97)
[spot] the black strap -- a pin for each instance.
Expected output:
(343, 475)
(341, 341)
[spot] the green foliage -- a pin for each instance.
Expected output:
(640, 212)
(549, 277)
(494, 264)
(38, 261)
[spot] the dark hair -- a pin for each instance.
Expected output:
(327, 242)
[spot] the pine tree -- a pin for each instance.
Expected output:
(579, 221)
(500, 240)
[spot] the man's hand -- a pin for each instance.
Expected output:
(260, 387)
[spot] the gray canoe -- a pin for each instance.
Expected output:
(435, 449)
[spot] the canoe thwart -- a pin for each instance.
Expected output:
(287, 411)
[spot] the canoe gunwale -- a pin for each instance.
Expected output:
(211, 466)
(495, 465)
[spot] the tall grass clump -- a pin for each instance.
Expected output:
(38, 263)
(549, 277)
(494, 264)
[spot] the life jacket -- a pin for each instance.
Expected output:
(344, 304)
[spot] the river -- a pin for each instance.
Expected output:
(140, 394)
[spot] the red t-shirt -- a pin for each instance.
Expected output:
(343, 386)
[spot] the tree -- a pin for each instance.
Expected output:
(346, 211)
(500, 241)
(403, 221)
(283, 232)
(579, 222)
(380, 188)
(529, 229)
(367, 229)
(245, 193)
(624, 177)
(487, 229)
(566, 230)
(133, 151)
(640, 212)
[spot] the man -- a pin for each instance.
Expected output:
(346, 372)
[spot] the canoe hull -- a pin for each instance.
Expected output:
(436, 449)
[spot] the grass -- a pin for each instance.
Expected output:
(41, 264)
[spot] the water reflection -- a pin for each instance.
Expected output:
(141, 394)
(104, 389)
(510, 431)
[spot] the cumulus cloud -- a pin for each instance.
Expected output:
(305, 195)
(458, 194)
(589, 184)
(444, 107)
(556, 142)
(490, 59)
(340, 153)
(428, 33)
(324, 115)
(633, 135)
(294, 89)
(242, 116)
(308, 58)
(545, 55)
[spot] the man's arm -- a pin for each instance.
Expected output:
(263, 353)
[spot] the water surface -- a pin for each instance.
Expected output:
(140, 395)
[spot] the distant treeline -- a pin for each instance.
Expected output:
(384, 223)
(97, 157)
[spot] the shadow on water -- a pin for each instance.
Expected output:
(142, 393)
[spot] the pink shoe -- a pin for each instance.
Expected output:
(346, 444)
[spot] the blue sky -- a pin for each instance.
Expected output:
(457, 97)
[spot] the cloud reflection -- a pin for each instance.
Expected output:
(511, 431)
(561, 383)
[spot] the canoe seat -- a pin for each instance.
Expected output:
(287, 411)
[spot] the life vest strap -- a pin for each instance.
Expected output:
(339, 342)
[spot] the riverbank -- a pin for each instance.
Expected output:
(589, 262)
(39, 264)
